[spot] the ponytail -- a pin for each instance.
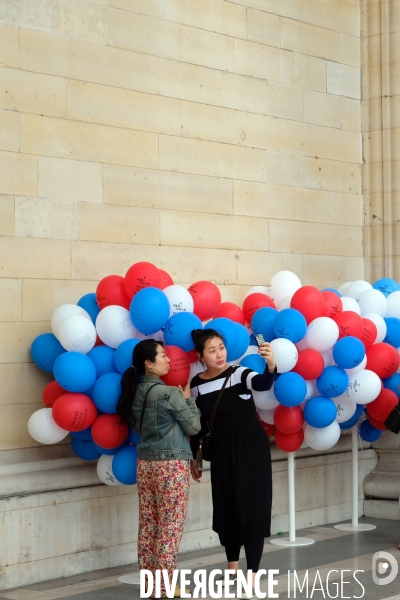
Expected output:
(144, 350)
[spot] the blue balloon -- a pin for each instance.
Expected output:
(88, 303)
(85, 434)
(255, 362)
(178, 328)
(348, 352)
(106, 392)
(320, 411)
(75, 372)
(368, 432)
(332, 290)
(45, 350)
(263, 322)
(393, 383)
(103, 358)
(290, 389)
(332, 382)
(393, 331)
(253, 341)
(242, 343)
(227, 329)
(149, 310)
(133, 437)
(85, 449)
(123, 357)
(111, 451)
(124, 465)
(290, 324)
(386, 286)
(351, 422)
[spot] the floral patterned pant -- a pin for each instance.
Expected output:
(163, 488)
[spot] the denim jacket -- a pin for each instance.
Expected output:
(168, 421)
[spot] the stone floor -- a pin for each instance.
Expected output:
(332, 550)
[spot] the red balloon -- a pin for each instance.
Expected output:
(349, 323)
(310, 364)
(253, 302)
(288, 419)
(108, 431)
(369, 334)
(179, 368)
(378, 424)
(111, 290)
(141, 275)
(207, 299)
(231, 311)
(381, 407)
(99, 342)
(74, 412)
(51, 392)
(382, 359)
(309, 301)
(289, 442)
(166, 279)
(333, 304)
(192, 356)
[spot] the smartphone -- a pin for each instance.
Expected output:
(260, 339)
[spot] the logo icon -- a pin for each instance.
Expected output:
(385, 564)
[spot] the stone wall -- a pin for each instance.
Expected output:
(220, 140)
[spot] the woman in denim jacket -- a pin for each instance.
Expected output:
(164, 416)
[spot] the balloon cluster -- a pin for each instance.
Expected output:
(336, 351)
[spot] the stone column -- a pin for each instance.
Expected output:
(382, 485)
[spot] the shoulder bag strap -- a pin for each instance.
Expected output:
(144, 405)
(218, 399)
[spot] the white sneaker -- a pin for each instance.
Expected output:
(244, 595)
(232, 578)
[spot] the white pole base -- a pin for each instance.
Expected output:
(359, 527)
(300, 541)
(133, 579)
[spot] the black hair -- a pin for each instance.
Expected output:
(144, 350)
(201, 337)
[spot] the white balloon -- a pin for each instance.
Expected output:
(179, 299)
(322, 438)
(322, 334)
(259, 289)
(364, 387)
(77, 334)
(393, 305)
(345, 408)
(158, 336)
(310, 389)
(265, 400)
(302, 345)
(267, 415)
(114, 325)
(286, 354)
(285, 303)
(349, 304)
(195, 368)
(356, 288)
(344, 287)
(380, 326)
(358, 368)
(64, 311)
(373, 301)
(327, 355)
(105, 472)
(44, 429)
(283, 283)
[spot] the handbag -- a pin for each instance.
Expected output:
(205, 448)
(392, 421)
